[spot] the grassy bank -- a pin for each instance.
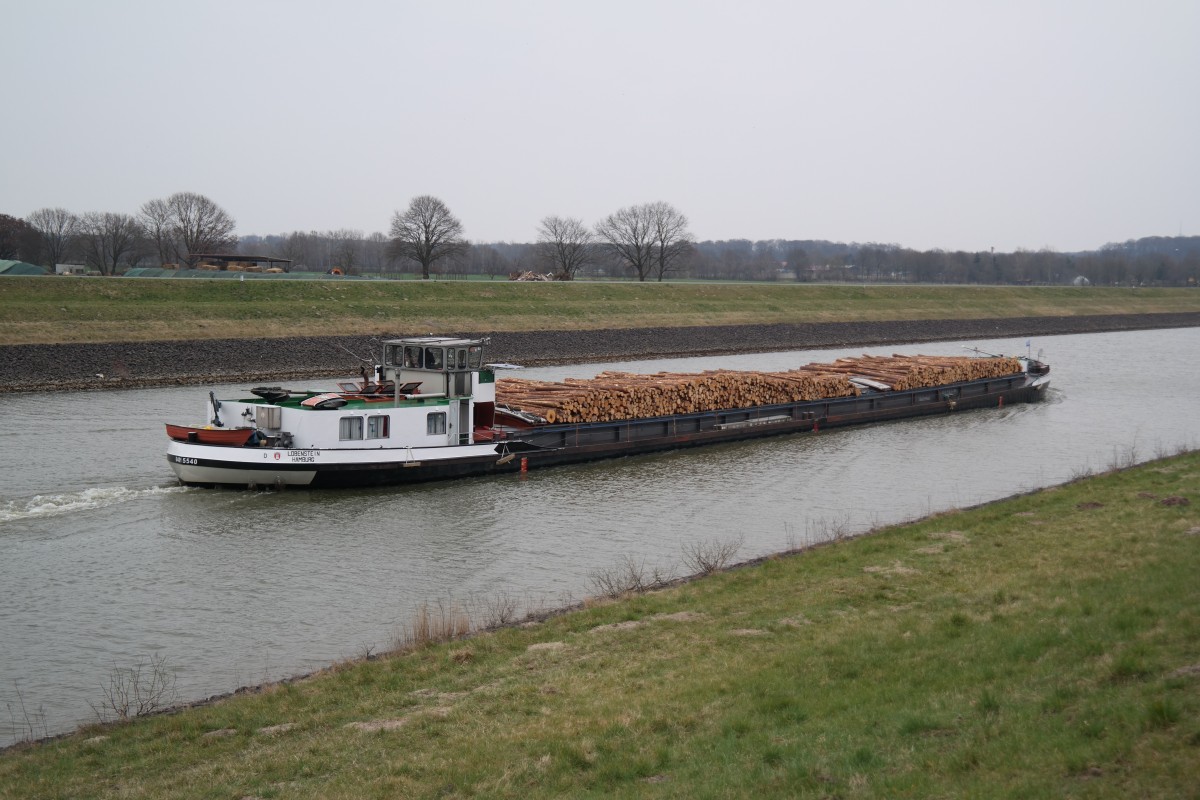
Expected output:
(1044, 646)
(49, 310)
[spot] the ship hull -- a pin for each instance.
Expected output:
(547, 445)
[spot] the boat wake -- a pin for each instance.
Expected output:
(52, 505)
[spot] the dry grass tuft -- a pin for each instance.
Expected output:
(431, 624)
(1186, 672)
(896, 568)
(375, 725)
(959, 536)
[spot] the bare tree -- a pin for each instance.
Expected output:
(18, 239)
(186, 224)
(58, 228)
(565, 245)
(135, 691)
(426, 233)
(374, 252)
(296, 248)
(201, 225)
(346, 248)
(875, 260)
(110, 240)
(711, 555)
(630, 235)
(487, 260)
(799, 262)
(670, 238)
(155, 217)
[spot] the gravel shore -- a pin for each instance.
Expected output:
(141, 364)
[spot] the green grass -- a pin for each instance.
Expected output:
(1040, 647)
(40, 310)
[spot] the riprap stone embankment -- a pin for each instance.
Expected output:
(39, 367)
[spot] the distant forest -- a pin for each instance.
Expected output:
(1151, 261)
(179, 229)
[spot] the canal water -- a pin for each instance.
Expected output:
(105, 563)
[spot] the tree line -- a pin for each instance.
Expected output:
(173, 230)
(650, 241)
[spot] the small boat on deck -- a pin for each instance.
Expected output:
(226, 437)
(432, 410)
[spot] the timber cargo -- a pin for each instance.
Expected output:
(431, 409)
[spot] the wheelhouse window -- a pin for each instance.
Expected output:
(350, 428)
(435, 424)
(378, 427)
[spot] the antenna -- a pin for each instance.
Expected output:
(352, 353)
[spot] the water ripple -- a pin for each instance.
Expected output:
(52, 505)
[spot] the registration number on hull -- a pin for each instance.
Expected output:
(293, 456)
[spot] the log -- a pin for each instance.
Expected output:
(614, 396)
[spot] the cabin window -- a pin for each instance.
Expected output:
(435, 424)
(351, 428)
(462, 358)
(433, 358)
(393, 357)
(378, 427)
(476, 356)
(412, 357)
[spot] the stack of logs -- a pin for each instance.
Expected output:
(624, 395)
(917, 372)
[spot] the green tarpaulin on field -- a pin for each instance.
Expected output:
(21, 268)
(228, 275)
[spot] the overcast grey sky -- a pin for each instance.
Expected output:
(959, 125)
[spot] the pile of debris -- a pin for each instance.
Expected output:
(529, 275)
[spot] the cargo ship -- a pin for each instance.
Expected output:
(432, 409)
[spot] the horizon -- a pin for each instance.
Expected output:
(934, 125)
